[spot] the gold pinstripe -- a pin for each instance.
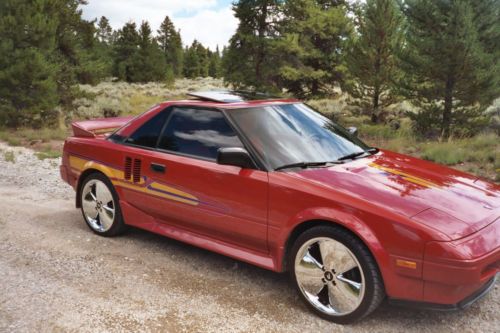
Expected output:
(117, 177)
(406, 176)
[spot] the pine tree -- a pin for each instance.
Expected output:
(190, 68)
(104, 31)
(194, 60)
(203, 55)
(171, 44)
(104, 45)
(47, 48)
(148, 63)
(28, 76)
(125, 49)
(214, 67)
(313, 37)
(92, 64)
(451, 59)
(248, 60)
(372, 64)
(75, 51)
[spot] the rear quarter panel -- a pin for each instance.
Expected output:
(81, 154)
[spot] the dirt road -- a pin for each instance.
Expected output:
(56, 275)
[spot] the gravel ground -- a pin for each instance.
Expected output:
(56, 275)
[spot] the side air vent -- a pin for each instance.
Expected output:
(128, 168)
(137, 171)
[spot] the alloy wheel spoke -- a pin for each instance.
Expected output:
(351, 284)
(102, 193)
(336, 256)
(106, 220)
(341, 301)
(308, 258)
(109, 209)
(310, 274)
(89, 207)
(92, 195)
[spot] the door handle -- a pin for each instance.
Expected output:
(158, 167)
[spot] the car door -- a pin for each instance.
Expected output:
(189, 190)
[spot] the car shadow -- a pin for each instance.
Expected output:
(269, 290)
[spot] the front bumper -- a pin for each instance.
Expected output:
(463, 304)
(454, 270)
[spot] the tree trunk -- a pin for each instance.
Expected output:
(375, 105)
(315, 88)
(260, 49)
(376, 92)
(448, 106)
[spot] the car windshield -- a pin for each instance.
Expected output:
(294, 133)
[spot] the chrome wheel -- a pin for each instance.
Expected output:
(98, 205)
(329, 276)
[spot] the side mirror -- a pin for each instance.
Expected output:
(235, 156)
(353, 131)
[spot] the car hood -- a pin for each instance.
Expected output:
(451, 202)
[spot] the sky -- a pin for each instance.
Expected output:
(209, 21)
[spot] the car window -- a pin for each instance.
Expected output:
(147, 135)
(198, 132)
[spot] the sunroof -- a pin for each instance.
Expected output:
(230, 96)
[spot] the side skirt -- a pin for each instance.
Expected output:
(137, 218)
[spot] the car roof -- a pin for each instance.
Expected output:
(203, 101)
(231, 96)
(232, 99)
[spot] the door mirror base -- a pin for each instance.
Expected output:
(353, 131)
(235, 156)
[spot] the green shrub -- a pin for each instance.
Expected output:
(443, 153)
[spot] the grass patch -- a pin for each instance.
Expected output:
(48, 153)
(10, 138)
(479, 155)
(384, 132)
(9, 156)
(44, 134)
(448, 153)
(26, 136)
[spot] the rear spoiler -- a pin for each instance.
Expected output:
(91, 128)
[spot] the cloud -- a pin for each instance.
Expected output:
(210, 27)
(205, 20)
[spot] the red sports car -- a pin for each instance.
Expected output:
(275, 184)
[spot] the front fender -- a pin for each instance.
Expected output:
(338, 217)
(388, 242)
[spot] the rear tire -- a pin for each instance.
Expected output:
(100, 206)
(335, 274)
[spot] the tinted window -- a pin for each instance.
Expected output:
(198, 132)
(147, 135)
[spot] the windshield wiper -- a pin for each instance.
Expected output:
(305, 165)
(371, 151)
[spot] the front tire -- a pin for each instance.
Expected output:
(100, 206)
(335, 274)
